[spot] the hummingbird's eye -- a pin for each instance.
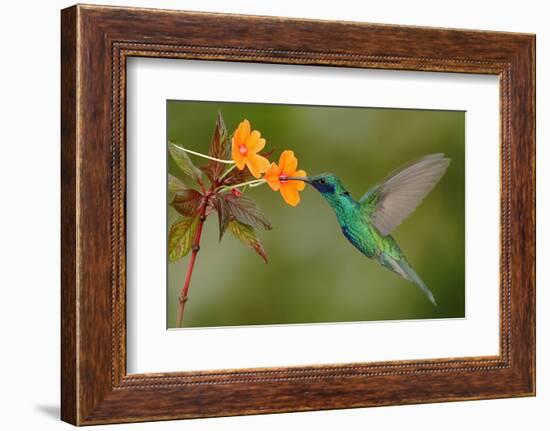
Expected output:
(322, 181)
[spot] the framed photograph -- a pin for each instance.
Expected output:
(266, 215)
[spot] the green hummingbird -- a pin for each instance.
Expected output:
(367, 223)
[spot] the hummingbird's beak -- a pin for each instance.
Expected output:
(304, 179)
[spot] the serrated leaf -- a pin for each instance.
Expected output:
(187, 202)
(247, 235)
(181, 237)
(214, 171)
(246, 211)
(184, 162)
(175, 184)
(219, 148)
(224, 216)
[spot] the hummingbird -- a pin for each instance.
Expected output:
(368, 222)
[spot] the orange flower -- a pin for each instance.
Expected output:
(275, 178)
(245, 147)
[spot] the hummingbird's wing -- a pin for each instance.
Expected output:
(391, 201)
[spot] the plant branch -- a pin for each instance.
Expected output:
(194, 251)
(227, 172)
(251, 183)
(203, 155)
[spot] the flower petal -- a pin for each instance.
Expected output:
(288, 162)
(240, 161)
(257, 164)
(237, 157)
(290, 194)
(252, 139)
(235, 149)
(272, 177)
(298, 185)
(255, 145)
(242, 132)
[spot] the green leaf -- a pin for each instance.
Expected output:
(247, 236)
(246, 211)
(224, 216)
(181, 237)
(219, 149)
(187, 202)
(175, 184)
(184, 162)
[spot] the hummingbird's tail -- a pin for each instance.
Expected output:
(403, 268)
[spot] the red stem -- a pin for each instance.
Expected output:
(195, 249)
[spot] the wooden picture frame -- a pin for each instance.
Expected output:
(95, 43)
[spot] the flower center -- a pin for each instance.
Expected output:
(282, 178)
(243, 150)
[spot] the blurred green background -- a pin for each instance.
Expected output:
(314, 274)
